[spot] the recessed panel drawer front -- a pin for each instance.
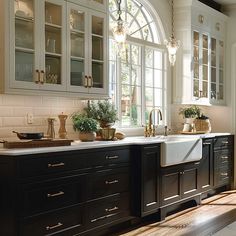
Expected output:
(223, 142)
(109, 182)
(109, 209)
(222, 176)
(50, 164)
(223, 158)
(109, 158)
(52, 195)
(64, 222)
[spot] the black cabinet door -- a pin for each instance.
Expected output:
(170, 185)
(150, 178)
(189, 180)
(206, 166)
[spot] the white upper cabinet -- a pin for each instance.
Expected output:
(54, 46)
(199, 71)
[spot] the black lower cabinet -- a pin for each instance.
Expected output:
(145, 175)
(179, 182)
(206, 166)
(70, 193)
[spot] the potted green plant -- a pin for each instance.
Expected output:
(192, 111)
(102, 111)
(86, 126)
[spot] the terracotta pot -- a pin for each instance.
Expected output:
(87, 136)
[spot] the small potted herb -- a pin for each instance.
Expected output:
(106, 114)
(102, 111)
(190, 112)
(86, 126)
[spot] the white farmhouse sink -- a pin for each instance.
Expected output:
(179, 149)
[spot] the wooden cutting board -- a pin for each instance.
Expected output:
(37, 143)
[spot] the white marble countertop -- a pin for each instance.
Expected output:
(78, 145)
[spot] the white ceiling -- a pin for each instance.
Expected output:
(225, 2)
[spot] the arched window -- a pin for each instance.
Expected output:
(137, 76)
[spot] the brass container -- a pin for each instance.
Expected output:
(108, 133)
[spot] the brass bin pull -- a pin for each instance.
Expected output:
(54, 226)
(55, 194)
(225, 157)
(112, 182)
(86, 81)
(224, 174)
(56, 165)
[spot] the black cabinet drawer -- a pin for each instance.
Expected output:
(109, 209)
(222, 176)
(45, 196)
(222, 158)
(107, 182)
(223, 142)
(64, 222)
(109, 157)
(50, 164)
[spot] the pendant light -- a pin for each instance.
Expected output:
(119, 30)
(172, 44)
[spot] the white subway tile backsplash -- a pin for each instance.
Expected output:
(14, 110)
(13, 122)
(13, 100)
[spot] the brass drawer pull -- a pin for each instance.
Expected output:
(197, 163)
(112, 182)
(111, 157)
(55, 194)
(111, 209)
(37, 76)
(54, 226)
(224, 174)
(103, 217)
(224, 157)
(225, 142)
(56, 165)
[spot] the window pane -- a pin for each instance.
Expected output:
(149, 77)
(158, 97)
(149, 97)
(136, 75)
(136, 95)
(135, 55)
(125, 78)
(157, 78)
(157, 59)
(149, 57)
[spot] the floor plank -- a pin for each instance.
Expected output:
(212, 215)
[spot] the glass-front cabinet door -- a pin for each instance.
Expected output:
(37, 55)
(200, 66)
(98, 45)
(25, 63)
(54, 60)
(217, 71)
(87, 43)
(78, 48)
(208, 68)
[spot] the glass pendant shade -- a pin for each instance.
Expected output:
(119, 31)
(172, 46)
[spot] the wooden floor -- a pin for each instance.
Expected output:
(212, 215)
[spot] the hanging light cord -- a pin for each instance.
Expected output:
(119, 10)
(172, 18)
